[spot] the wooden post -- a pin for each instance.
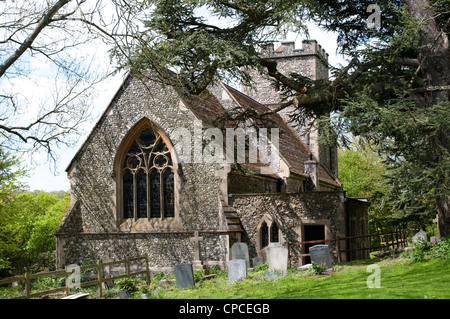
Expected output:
(396, 238)
(66, 276)
(404, 238)
(338, 248)
(27, 284)
(100, 277)
(128, 265)
(147, 269)
(386, 241)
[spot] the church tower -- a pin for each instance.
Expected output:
(310, 61)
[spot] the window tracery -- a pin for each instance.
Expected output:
(148, 178)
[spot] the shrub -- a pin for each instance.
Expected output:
(441, 249)
(423, 250)
(127, 284)
(145, 289)
(317, 269)
(262, 267)
(198, 275)
(418, 252)
(155, 278)
(216, 270)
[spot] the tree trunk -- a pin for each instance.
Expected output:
(434, 67)
(442, 203)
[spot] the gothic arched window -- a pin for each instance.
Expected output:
(264, 235)
(148, 178)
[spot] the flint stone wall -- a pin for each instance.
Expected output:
(289, 211)
(164, 250)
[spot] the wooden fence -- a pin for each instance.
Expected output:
(387, 240)
(27, 277)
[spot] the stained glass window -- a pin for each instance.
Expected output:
(141, 194)
(128, 195)
(155, 194)
(168, 194)
(148, 178)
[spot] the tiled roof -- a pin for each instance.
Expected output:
(292, 148)
(207, 108)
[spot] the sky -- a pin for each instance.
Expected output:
(44, 176)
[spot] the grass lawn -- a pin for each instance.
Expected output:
(398, 278)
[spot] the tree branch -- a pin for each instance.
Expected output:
(26, 44)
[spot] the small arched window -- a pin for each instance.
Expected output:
(264, 235)
(147, 178)
(274, 233)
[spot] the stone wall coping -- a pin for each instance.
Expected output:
(152, 232)
(285, 194)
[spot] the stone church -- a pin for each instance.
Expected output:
(133, 192)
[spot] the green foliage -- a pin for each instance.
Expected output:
(155, 278)
(418, 253)
(11, 170)
(47, 283)
(441, 250)
(409, 142)
(361, 171)
(318, 269)
(423, 251)
(178, 38)
(28, 222)
(263, 267)
(365, 173)
(127, 284)
(216, 270)
(198, 275)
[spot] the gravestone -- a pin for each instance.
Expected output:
(237, 269)
(277, 258)
(434, 239)
(240, 251)
(257, 261)
(419, 235)
(320, 254)
(184, 275)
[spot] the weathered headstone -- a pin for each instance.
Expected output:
(320, 254)
(257, 261)
(434, 239)
(237, 269)
(184, 275)
(240, 251)
(277, 258)
(420, 235)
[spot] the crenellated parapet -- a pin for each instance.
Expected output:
(288, 50)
